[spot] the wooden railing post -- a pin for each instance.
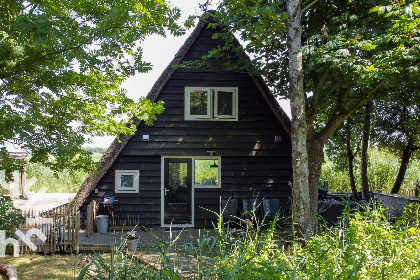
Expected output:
(77, 232)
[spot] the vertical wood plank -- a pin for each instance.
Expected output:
(53, 231)
(77, 232)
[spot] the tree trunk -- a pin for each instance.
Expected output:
(364, 152)
(316, 158)
(350, 157)
(408, 151)
(302, 215)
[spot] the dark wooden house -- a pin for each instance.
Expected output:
(221, 135)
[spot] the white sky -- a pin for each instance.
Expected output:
(159, 52)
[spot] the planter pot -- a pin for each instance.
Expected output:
(132, 245)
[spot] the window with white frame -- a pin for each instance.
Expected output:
(126, 181)
(207, 172)
(211, 103)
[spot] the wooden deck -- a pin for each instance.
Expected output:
(147, 250)
(149, 239)
(41, 202)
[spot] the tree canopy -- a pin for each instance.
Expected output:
(352, 52)
(61, 66)
(397, 129)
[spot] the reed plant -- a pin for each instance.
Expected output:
(383, 168)
(41, 178)
(365, 245)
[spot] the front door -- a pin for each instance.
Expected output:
(177, 192)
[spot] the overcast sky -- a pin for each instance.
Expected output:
(159, 51)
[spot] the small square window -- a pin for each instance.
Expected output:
(126, 181)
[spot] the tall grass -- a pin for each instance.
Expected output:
(46, 180)
(56, 182)
(382, 170)
(364, 246)
(41, 178)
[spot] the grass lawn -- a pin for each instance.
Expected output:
(39, 267)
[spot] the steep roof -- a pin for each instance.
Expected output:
(118, 145)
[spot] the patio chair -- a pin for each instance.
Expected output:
(229, 210)
(270, 209)
(251, 208)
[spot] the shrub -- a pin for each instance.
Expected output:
(10, 217)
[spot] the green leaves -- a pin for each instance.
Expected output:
(61, 67)
(10, 217)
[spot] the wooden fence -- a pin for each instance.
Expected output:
(60, 225)
(90, 218)
(410, 192)
(129, 223)
(115, 222)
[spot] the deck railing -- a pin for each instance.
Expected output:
(115, 222)
(60, 225)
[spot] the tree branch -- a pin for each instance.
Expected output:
(343, 98)
(320, 83)
(337, 119)
(309, 6)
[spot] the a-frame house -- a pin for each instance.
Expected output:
(221, 135)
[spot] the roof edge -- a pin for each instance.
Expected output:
(119, 143)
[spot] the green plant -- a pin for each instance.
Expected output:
(382, 170)
(365, 245)
(10, 217)
(117, 265)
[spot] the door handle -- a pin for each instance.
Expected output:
(166, 191)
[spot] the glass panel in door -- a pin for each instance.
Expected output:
(177, 191)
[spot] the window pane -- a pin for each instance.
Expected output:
(127, 181)
(206, 172)
(198, 102)
(224, 103)
(177, 182)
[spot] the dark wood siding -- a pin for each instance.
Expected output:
(146, 203)
(253, 164)
(245, 177)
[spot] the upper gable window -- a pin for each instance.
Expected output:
(211, 103)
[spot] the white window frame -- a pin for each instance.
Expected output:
(134, 173)
(234, 103)
(219, 173)
(187, 110)
(211, 104)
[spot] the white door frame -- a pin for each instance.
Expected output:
(162, 196)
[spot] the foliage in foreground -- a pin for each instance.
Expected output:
(364, 246)
(61, 67)
(10, 217)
